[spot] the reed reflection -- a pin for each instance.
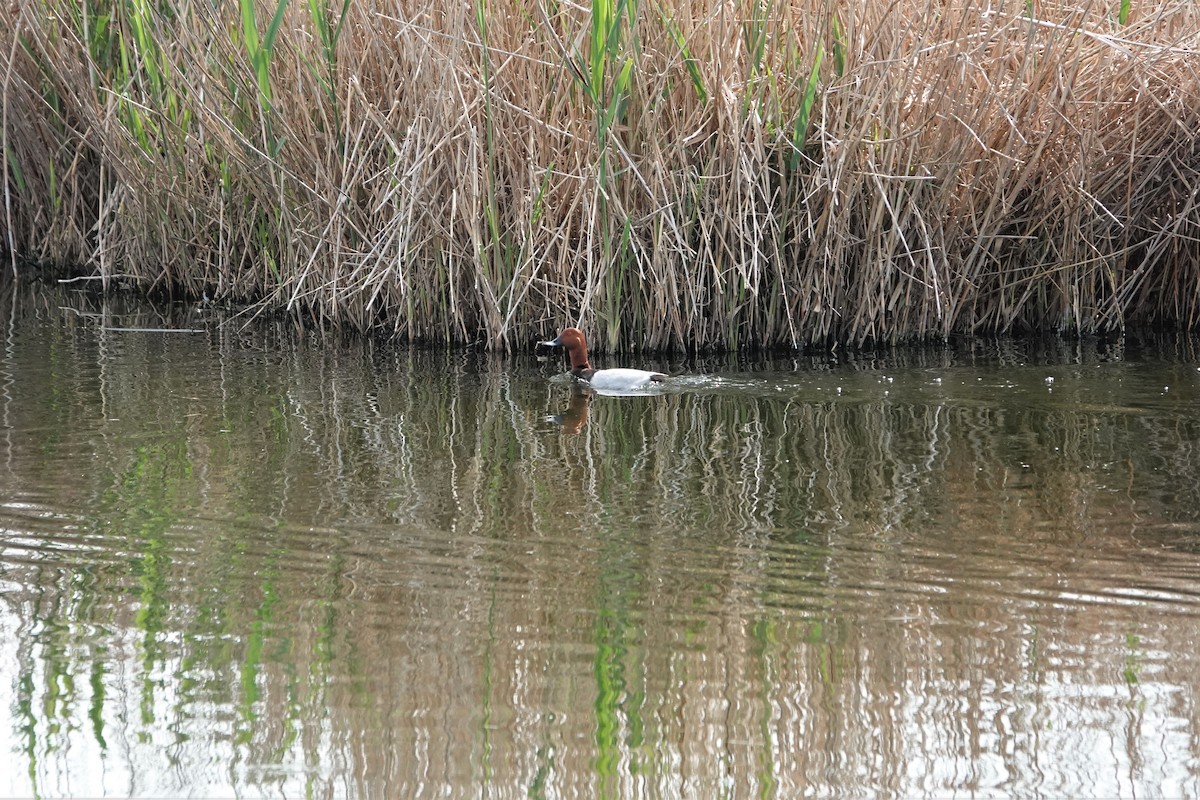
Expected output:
(352, 569)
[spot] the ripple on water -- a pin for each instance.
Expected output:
(36, 533)
(309, 566)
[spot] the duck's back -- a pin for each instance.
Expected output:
(623, 378)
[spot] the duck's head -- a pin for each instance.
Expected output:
(576, 346)
(569, 338)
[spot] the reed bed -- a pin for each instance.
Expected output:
(666, 173)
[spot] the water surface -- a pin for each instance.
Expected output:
(257, 561)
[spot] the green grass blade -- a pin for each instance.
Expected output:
(273, 29)
(839, 46)
(800, 131)
(689, 61)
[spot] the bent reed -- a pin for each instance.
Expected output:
(665, 173)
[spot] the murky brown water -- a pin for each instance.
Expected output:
(255, 562)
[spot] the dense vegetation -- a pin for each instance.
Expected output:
(664, 172)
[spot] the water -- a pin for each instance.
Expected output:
(254, 561)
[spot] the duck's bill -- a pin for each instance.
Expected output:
(553, 343)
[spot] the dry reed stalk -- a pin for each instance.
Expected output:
(666, 173)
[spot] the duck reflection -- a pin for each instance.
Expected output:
(575, 416)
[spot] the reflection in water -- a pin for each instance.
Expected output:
(574, 417)
(251, 561)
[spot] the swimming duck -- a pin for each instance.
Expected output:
(617, 380)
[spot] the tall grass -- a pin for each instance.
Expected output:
(662, 172)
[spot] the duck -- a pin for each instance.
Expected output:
(612, 380)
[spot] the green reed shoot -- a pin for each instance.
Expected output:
(839, 45)
(326, 74)
(610, 44)
(615, 283)
(689, 60)
(495, 254)
(755, 31)
(328, 35)
(142, 26)
(260, 48)
(15, 173)
(800, 130)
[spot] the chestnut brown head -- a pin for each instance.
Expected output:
(576, 346)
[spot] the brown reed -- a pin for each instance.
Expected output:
(666, 174)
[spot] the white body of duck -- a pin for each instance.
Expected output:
(612, 380)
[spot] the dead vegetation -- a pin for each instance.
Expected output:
(666, 174)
